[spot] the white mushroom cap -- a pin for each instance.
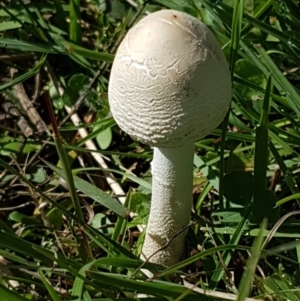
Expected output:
(170, 81)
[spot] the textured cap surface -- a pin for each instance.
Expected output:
(169, 82)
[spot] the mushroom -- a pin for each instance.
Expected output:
(169, 86)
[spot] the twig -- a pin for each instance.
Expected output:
(16, 207)
(12, 111)
(28, 107)
(37, 86)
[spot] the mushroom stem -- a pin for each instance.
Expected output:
(172, 183)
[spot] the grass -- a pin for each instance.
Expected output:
(63, 234)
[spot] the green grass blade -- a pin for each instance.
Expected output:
(54, 295)
(236, 28)
(78, 286)
(123, 154)
(9, 25)
(276, 139)
(247, 279)
(287, 199)
(153, 288)
(110, 246)
(131, 177)
(90, 54)
(60, 15)
(22, 45)
(66, 166)
(283, 84)
(276, 97)
(101, 126)
(199, 256)
(235, 38)
(14, 258)
(237, 136)
(253, 116)
(290, 180)
(64, 158)
(203, 195)
(26, 75)
(261, 147)
(283, 37)
(6, 228)
(69, 49)
(38, 30)
(283, 248)
(120, 227)
(75, 27)
(92, 191)
(21, 246)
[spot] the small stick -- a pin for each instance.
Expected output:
(28, 107)
(37, 86)
(12, 111)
